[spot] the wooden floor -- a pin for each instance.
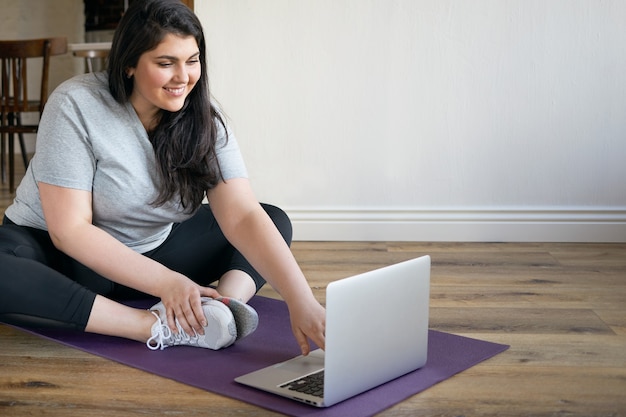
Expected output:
(561, 307)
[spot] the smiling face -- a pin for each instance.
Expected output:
(164, 77)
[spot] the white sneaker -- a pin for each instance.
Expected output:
(220, 332)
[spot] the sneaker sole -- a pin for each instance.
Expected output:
(246, 318)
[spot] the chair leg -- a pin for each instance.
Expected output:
(11, 164)
(17, 121)
(23, 149)
(2, 158)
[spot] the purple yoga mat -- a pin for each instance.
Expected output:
(272, 342)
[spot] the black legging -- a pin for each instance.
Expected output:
(41, 286)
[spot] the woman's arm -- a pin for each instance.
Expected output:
(246, 225)
(68, 215)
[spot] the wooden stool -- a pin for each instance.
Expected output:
(91, 55)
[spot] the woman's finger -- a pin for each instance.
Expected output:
(198, 315)
(188, 320)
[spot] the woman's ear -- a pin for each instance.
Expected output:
(130, 72)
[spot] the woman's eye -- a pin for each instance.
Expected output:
(165, 64)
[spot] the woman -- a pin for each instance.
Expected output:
(111, 204)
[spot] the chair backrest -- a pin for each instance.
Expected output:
(14, 71)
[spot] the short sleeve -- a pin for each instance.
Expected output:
(64, 155)
(229, 155)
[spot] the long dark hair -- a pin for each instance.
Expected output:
(184, 141)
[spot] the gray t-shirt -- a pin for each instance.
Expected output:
(88, 141)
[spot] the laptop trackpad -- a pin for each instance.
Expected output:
(303, 365)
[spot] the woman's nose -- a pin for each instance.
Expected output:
(181, 75)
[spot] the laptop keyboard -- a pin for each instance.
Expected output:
(312, 384)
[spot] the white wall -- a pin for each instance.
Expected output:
(429, 120)
(414, 120)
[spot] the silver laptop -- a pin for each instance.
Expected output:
(376, 330)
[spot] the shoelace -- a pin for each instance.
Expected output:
(164, 336)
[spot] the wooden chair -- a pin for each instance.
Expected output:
(14, 88)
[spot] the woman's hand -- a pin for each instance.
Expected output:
(308, 321)
(181, 298)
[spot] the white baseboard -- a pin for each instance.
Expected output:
(470, 225)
